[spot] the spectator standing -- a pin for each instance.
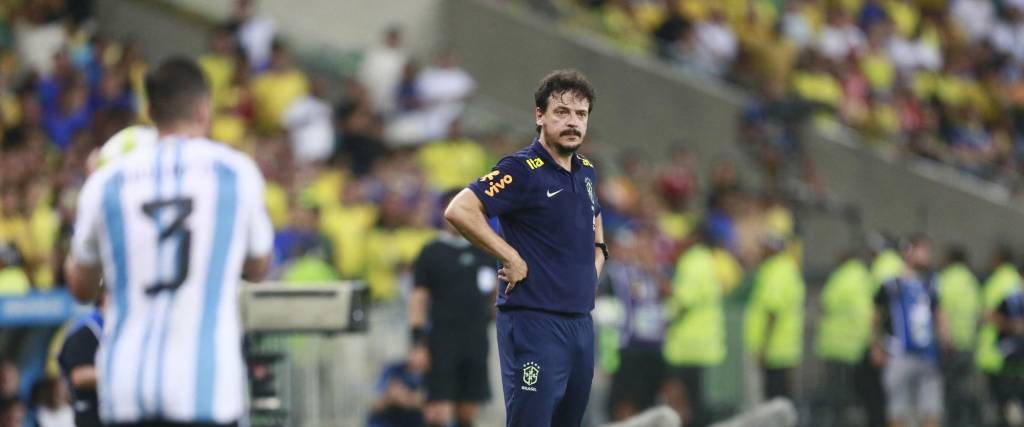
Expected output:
(381, 70)
(444, 88)
(393, 244)
(360, 129)
(907, 331)
(218, 65)
(70, 115)
(255, 33)
(637, 284)
(277, 89)
(310, 123)
(453, 161)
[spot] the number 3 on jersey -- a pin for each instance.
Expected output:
(174, 240)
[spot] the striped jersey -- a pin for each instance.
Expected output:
(171, 224)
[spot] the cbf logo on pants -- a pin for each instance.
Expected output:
(531, 372)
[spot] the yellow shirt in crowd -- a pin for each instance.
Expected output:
(388, 253)
(276, 199)
(219, 70)
(347, 228)
(273, 92)
(451, 164)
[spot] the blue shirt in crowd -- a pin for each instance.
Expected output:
(908, 306)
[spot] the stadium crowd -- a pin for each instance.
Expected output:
(355, 168)
(936, 78)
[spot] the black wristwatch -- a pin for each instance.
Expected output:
(604, 249)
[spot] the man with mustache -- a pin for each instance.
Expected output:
(551, 250)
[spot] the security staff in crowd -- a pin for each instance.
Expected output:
(960, 300)
(696, 335)
(844, 331)
(774, 324)
(1005, 280)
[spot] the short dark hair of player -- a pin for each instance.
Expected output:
(174, 90)
(562, 82)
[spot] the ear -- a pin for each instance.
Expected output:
(538, 115)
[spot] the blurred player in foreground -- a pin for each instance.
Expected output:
(172, 226)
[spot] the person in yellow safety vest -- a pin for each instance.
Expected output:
(887, 265)
(960, 300)
(1004, 280)
(695, 339)
(774, 323)
(728, 271)
(845, 331)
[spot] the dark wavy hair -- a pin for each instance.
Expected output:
(561, 82)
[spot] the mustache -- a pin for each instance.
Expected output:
(570, 131)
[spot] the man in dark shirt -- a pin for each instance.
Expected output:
(77, 364)
(456, 280)
(908, 329)
(551, 249)
(639, 285)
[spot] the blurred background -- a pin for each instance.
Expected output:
(816, 132)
